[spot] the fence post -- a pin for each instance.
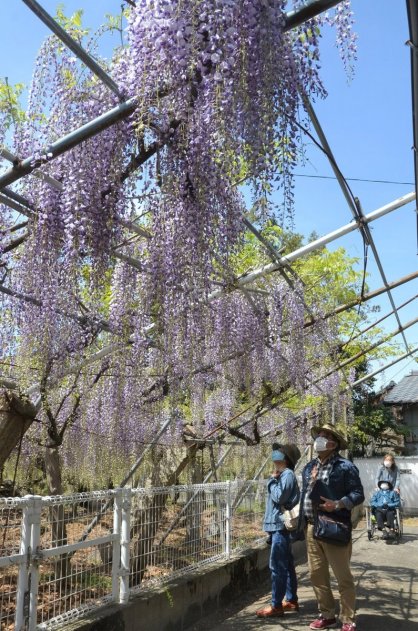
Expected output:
(117, 519)
(35, 519)
(22, 579)
(125, 536)
(228, 516)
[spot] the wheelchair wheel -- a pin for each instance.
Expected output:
(399, 518)
(370, 523)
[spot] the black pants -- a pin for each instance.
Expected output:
(385, 515)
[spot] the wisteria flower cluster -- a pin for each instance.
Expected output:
(131, 240)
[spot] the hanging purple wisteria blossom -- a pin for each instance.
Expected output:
(142, 222)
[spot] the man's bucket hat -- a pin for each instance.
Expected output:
(327, 427)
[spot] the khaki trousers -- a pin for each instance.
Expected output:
(321, 556)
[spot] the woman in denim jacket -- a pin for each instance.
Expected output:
(282, 493)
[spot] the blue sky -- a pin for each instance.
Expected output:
(368, 124)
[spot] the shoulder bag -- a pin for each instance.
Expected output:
(291, 518)
(332, 528)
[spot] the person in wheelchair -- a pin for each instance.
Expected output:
(384, 503)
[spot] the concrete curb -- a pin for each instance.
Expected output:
(178, 604)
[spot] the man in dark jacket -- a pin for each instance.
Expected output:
(343, 490)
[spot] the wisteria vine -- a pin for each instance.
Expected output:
(218, 88)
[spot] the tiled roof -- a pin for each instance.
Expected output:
(406, 391)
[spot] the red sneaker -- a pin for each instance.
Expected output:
(349, 626)
(290, 605)
(270, 612)
(323, 623)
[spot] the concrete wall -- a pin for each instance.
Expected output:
(180, 603)
(408, 466)
(411, 421)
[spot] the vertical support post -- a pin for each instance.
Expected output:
(124, 545)
(117, 521)
(23, 576)
(228, 516)
(36, 508)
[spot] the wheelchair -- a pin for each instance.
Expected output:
(371, 525)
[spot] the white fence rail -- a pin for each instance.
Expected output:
(63, 556)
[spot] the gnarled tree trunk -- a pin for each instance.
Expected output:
(57, 514)
(16, 416)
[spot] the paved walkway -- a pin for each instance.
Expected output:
(387, 591)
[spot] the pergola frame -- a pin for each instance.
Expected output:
(126, 107)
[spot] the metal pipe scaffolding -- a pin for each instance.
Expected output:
(412, 10)
(354, 205)
(353, 358)
(392, 363)
(67, 142)
(126, 108)
(376, 322)
(73, 46)
(315, 245)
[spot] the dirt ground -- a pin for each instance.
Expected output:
(387, 591)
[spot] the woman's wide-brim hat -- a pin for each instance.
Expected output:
(332, 430)
(291, 451)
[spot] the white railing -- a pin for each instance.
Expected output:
(63, 556)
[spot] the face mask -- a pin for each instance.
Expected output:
(320, 444)
(384, 487)
(387, 464)
(277, 456)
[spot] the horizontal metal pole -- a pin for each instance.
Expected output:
(9, 198)
(8, 155)
(11, 157)
(78, 545)
(392, 363)
(372, 347)
(28, 165)
(14, 243)
(366, 297)
(35, 301)
(315, 245)
(107, 350)
(376, 322)
(17, 198)
(23, 210)
(13, 559)
(307, 12)
(74, 138)
(71, 43)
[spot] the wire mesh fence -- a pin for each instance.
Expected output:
(75, 551)
(11, 513)
(63, 556)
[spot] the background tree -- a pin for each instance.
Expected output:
(374, 429)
